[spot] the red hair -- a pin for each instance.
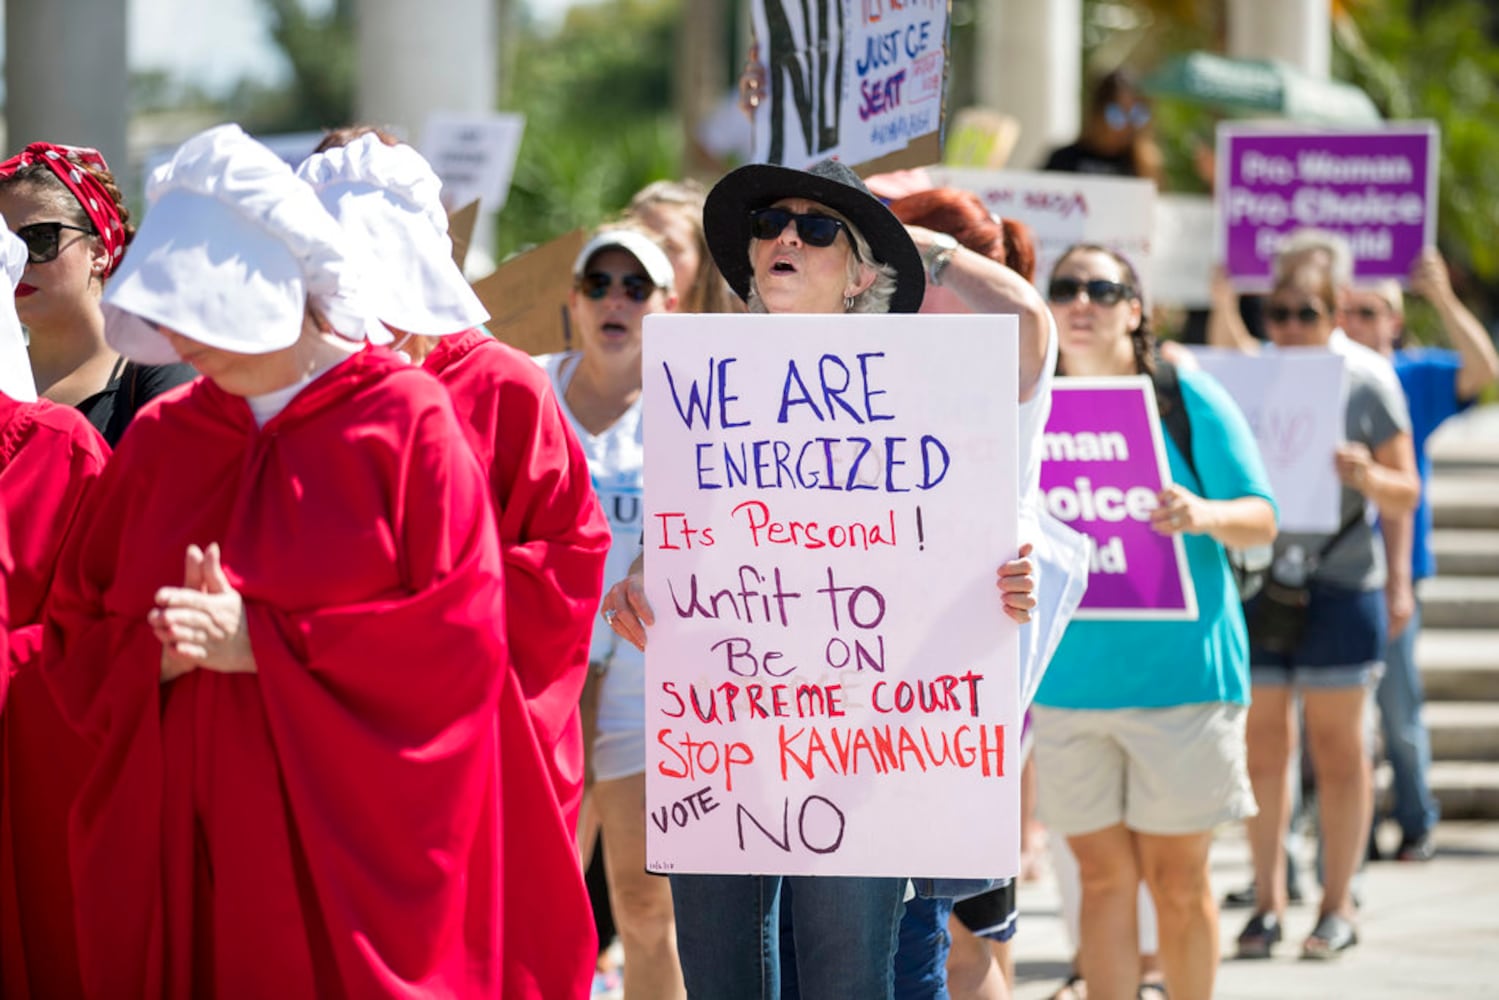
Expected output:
(961, 215)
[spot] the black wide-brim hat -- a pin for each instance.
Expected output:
(726, 221)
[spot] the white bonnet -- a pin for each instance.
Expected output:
(15, 366)
(387, 199)
(230, 251)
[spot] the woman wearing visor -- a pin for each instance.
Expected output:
(282, 626)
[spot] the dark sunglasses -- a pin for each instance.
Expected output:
(815, 230)
(1118, 117)
(43, 239)
(1306, 315)
(1104, 293)
(596, 284)
(1366, 313)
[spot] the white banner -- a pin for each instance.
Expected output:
(474, 154)
(1063, 209)
(854, 79)
(831, 683)
(1295, 400)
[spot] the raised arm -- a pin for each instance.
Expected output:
(1431, 281)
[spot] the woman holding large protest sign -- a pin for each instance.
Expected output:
(289, 646)
(65, 205)
(620, 276)
(793, 241)
(1319, 627)
(1140, 724)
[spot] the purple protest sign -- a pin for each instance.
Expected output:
(1376, 187)
(1104, 465)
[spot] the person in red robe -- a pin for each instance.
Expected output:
(281, 624)
(50, 456)
(553, 532)
(553, 535)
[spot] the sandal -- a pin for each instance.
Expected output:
(1151, 989)
(1333, 935)
(1073, 989)
(1262, 933)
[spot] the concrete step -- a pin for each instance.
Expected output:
(1465, 602)
(1463, 730)
(1467, 441)
(1466, 551)
(1459, 664)
(1466, 500)
(1466, 789)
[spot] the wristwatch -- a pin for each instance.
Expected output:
(936, 256)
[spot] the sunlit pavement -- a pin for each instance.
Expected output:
(1426, 930)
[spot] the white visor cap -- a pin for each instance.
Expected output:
(387, 199)
(15, 365)
(231, 250)
(638, 245)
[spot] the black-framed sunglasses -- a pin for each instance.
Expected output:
(815, 229)
(1306, 315)
(1366, 313)
(44, 239)
(1104, 293)
(596, 284)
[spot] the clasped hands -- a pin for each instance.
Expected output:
(202, 623)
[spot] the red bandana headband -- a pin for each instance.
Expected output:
(96, 200)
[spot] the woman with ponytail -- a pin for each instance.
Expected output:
(64, 204)
(1140, 724)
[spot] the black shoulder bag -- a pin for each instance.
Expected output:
(1277, 620)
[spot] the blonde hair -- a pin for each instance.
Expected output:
(708, 293)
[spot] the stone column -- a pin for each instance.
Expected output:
(1298, 32)
(1028, 63)
(414, 59)
(66, 79)
(441, 55)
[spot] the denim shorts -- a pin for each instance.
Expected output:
(1344, 643)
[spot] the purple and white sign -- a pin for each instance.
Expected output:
(1376, 187)
(1104, 466)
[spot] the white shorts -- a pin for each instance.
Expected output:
(1166, 771)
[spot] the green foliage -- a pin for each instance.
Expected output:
(1439, 64)
(600, 123)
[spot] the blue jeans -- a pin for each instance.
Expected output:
(921, 959)
(729, 930)
(1405, 738)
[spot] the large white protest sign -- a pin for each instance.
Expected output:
(860, 80)
(1294, 400)
(474, 154)
(831, 682)
(1063, 209)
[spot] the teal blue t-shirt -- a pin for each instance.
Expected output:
(1160, 664)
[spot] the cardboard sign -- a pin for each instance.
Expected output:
(1378, 187)
(1063, 209)
(1105, 464)
(859, 80)
(527, 296)
(461, 223)
(831, 683)
(1295, 400)
(474, 154)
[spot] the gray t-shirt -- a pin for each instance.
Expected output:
(1376, 413)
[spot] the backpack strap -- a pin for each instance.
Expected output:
(1173, 410)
